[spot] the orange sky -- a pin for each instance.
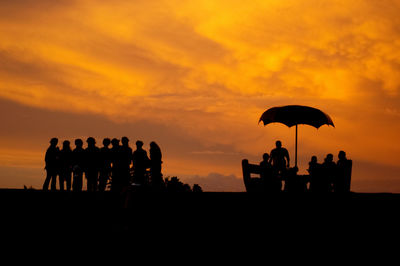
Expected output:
(195, 76)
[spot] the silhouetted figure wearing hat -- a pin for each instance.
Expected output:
(279, 158)
(78, 159)
(65, 166)
(105, 164)
(270, 179)
(155, 166)
(116, 179)
(52, 164)
(140, 164)
(92, 164)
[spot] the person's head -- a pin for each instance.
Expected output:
(314, 159)
(329, 157)
(139, 144)
(78, 143)
(54, 141)
(124, 141)
(278, 144)
(91, 141)
(154, 145)
(106, 142)
(66, 144)
(342, 155)
(115, 142)
(265, 156)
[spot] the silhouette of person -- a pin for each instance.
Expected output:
(105, 164)
(116, 179)
(293, 182)
(65, 165)
(52, 164)
(270, 181)
(78, 159)
(343, 174)
(279, 158)
(140, 163)
(126, 160)
(155, 165)
(314, 169)
(92, 164)
(328, 172)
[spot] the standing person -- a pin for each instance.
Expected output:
(116, 166)
(92, 164)
(140, 163)
(78, 161)
(328, 172)
(279, 158)
(65, 165)
(155, 165)
(52, 164)
(126, 160)
(105, 164)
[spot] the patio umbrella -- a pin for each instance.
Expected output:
(294, 115)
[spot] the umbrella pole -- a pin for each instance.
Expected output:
(295, 154)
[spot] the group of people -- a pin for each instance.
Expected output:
(117, 165)
(330, 176)
(326, 177)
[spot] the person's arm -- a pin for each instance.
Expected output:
(287, 158)
(46, 156)
(271, 154)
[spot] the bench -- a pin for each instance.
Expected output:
(251, 184)
(292, 181)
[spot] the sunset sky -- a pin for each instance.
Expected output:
(195, 76)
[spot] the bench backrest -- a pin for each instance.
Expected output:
(249, 169)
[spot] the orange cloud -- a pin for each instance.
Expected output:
(210, 68)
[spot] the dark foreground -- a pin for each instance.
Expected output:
(217, 219)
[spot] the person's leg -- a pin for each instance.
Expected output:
(68, 180)
(53, 180)
(102, 180)
(61, 180)
(47, 180)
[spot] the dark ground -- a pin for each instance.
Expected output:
(92, 212)
(200, 223)
(198, 227)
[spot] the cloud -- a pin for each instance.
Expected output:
(208, 69)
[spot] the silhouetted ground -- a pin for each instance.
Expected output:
(206, 215)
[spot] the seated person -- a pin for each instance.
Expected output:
(343, 173)
(328, 173)
(314, 169)
(269, 177)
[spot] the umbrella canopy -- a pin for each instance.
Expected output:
(293, 115)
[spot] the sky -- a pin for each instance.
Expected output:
(195, 76)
